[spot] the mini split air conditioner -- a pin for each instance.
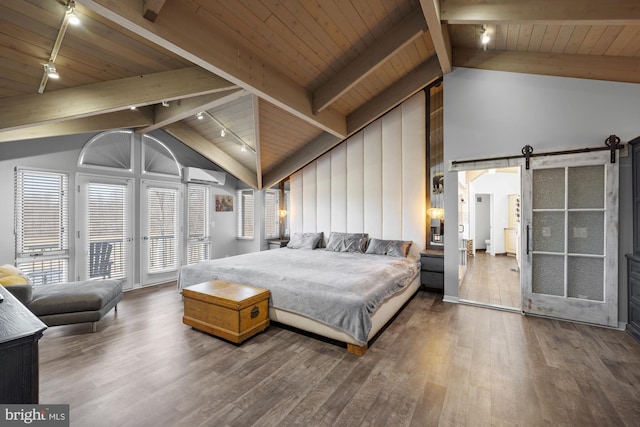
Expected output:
(203, 176)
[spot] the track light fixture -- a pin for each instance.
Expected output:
(223, 132)
(244, 148)
(484, 37)
(165, 103)
(51, 71)
(72, 18)
(199, 116)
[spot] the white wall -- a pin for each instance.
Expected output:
(374, 182)
(500, 185)
(489, 113)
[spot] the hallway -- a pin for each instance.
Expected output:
(491, 280)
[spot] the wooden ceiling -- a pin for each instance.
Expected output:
(288, 79)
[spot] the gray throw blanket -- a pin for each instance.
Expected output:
(338, 289)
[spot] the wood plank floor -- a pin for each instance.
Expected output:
(491, 280)
(436, 364)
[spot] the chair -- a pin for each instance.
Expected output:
(100, 259)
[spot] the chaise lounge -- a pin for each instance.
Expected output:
(64, 303)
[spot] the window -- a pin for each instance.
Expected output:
(42, 217)
(271, 217)
(162, 231)
(245, 214)
(198, 245)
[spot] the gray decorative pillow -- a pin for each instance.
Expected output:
(399, 248)
(378, 247)
(304, 240)
(396, 248)
(347, 242)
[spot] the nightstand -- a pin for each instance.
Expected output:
(278, 243)
(432, 269)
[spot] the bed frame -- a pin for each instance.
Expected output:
(383, 314)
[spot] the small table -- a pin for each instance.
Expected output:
(432, 269)
(227, 310)
(278, 243)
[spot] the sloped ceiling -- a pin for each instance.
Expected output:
(287, 80)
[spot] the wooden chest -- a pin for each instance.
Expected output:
(227, 310)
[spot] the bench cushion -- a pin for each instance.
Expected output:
(89, 295)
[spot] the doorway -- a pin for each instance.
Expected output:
(489, 199)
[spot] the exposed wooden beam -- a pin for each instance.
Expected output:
(197, 142)
(105, 97)
(255, 104)
(611, 68)
(411, 83)
(404, 33)
(183, 108)
(439, 33)
(212, 50)
(567, 12)
(311, 151)
(119, 119)
(152, 9)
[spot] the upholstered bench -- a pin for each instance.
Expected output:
(72, 302)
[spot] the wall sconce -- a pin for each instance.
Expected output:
(282, 213)
(436, 213)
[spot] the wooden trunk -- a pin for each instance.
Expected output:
(227, 310)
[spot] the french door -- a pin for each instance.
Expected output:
(160, 224)
(570, 238)
(198, 220)
(105, 229)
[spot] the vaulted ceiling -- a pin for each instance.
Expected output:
(287, 80)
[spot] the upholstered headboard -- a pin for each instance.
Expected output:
(374, 182)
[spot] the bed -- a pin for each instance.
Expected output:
(339, 292)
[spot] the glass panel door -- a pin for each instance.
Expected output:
(161, 245)
(570, 246)
(198, 219)
(105, 229)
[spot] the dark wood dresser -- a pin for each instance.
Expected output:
(633, 260)
(20, 331)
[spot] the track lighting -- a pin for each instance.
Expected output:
(133, 107)
(199, 116)
(223, 132)
(244, 149)
(484, 37)
(165, 103)
(51, 71)
(72, 18)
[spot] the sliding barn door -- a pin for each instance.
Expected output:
(570, 244)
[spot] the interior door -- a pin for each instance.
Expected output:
(105, 225)
(161, 243)
(570, 238)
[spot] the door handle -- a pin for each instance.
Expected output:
(527, 239)
(145, 238)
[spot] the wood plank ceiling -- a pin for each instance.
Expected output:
(287, 80)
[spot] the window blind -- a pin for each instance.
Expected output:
(271, 218)
(198, 212)
(245, 214)
(42, 218)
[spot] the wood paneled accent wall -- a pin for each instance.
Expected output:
(374, 182)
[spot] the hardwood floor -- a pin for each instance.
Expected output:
(436, 364)
(491, 280)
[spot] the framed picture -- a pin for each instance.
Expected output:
(224, 203)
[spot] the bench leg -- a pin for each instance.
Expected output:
(94, 326)
(115, 308)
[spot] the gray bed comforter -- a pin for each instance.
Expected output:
(339, 289)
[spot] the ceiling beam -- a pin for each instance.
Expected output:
(255, 106)
(152, 9)
(393, 95)
(611, 68)
(311, 151)
(183, 108)
(119, 119)
(198, 143)
(439, 33)
(375, 55)
(106, 97)
(567, 12)
(212, 50)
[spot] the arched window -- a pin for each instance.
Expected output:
(111, 149)
(157, 158)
